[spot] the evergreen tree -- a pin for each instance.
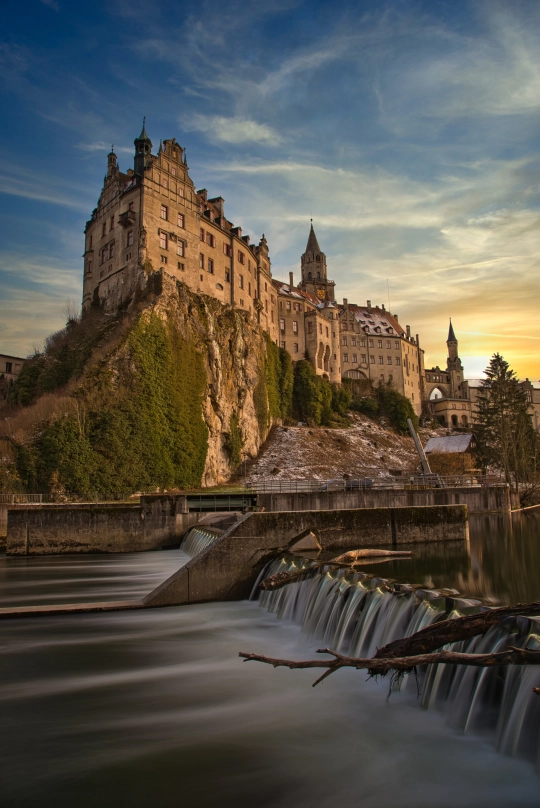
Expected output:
(505, 435)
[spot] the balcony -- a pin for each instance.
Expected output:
(128, 218)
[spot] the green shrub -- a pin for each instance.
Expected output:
(396, 408)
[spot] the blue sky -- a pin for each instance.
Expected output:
(408, 130)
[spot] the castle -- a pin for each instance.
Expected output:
(152, 219)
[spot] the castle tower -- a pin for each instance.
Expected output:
(112, 166)
(313, 267)
(143, 151)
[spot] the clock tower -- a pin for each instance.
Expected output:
(313, 264)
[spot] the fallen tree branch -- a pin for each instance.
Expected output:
(445, 632)
(512, 656)
(281, 579)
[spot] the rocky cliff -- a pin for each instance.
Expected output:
(173, 393)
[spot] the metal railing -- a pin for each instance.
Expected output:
(21, 499)
(406, 482)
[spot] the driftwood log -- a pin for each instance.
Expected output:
(281, 579)
(403, 656)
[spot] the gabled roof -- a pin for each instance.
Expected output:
(449, 444)
(373, 318)
(285, 290)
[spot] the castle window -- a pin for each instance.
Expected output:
(210, 239)
(364, 358)
(398, 360)
(163, 241)
(295, 346)
(90, 243)
(362, 343)
(327, 332)
(388, 343)
(112, 223)
(241, 257)
(353, 342)
(396, 344)
(130, 238)
(227, 250)
(180, 191)
(165, 182)
(163, 259)
(249, 267)
(241, 302)
(343, 340)
(310, 327)
(372, 359)
(201, 261)
(272, 298)
(381, 360)
(180, 266)
(9, 366)
(164, 212)
(265, 287)
(104, 229)
(201, 234)
(241, 281)
(317, 257)
(266, 306)
(181, 220)
(309, 275)
(345, 327)
(111, 250)
(228, 275)
(295, 327)
(89, 267)
(282, 324)
(219, 286)
(103, 255)
(320, 328)
(181, 249)
(173, 171)
(379, 343)
(370, 343)
(282, 345)
(346, 357)
(288, 305)
(388, 360)
(211, 266)
(354, 358)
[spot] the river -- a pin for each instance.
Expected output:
(154, 708)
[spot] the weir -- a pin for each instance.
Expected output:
(355, 614)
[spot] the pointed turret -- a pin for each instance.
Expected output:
(313, 264)
(312, 243)
(451, 335)
(143, 151)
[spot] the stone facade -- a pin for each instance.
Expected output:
(152, 218)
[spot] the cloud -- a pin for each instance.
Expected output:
(233, 130)
(100, 145)
(24, 184)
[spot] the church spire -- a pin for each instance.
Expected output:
(312, 243)
(451, 335)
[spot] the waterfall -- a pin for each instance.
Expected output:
(355, 614)
(198, 539)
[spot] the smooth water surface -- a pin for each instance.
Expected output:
(154, 708)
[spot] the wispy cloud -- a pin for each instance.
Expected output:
(233, 130)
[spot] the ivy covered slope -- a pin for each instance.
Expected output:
(172, 396)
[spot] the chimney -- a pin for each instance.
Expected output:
(408, 331)
(382, 307)
(345, 302)
(237, 231)
(369, 304)
(204, 193)
(396, 317)
(291, 282)
(219, 203)
(418, 340)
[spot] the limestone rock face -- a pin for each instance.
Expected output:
(233, 348)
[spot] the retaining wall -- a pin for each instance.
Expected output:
(479, 500)
(97, 528)
(227, 570)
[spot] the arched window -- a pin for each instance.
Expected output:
(454, 420)
(318, 275)
(317, 257)
(436, 394)
(309, 275)
(464, 420)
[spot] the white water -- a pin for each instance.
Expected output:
(197, 539)
(357, 614)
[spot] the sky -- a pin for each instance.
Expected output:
(408, 130)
